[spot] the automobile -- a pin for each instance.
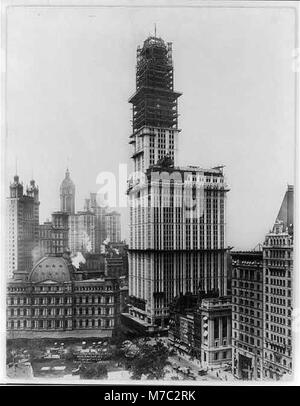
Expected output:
(76, 371)
(227, 368)
(202, 372)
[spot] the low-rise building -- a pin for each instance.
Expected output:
(181, 325)
(200, 326)
(215, 316)
(57, 301)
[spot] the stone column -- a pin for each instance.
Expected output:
(220, 331)
(229, 331)
(211, 333)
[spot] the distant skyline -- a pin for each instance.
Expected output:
(70, 72)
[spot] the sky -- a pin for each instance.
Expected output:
(70, 73)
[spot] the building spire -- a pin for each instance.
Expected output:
(155, 30)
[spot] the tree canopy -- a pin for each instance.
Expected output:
(93, 371)
(150, 361)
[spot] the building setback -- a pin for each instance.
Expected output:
(177, 214)
(22, 227)
(278, 304)
(247, 314)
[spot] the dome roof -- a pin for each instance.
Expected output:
(67, 183)
(55, 269)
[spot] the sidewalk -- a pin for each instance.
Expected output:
(216, 374)
(183, 362)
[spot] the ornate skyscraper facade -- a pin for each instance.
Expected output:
(247, 314)
(177, 214)
(278, 294)
(22, 227)
(67, 195)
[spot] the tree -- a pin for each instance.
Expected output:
(93, 371)
(11, 356)
(150, 361)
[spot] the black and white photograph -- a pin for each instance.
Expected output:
(149, 194)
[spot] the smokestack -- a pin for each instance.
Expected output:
(78, 259)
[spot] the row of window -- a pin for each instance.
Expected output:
(56, 324)
(50, 311)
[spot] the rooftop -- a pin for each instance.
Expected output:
(52, 268)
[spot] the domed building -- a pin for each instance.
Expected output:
(67, 194)
(52, 269)
(55, 301)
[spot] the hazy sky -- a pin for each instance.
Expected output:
(70, 72)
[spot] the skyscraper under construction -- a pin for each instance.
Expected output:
(177, 214)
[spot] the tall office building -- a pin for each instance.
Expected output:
(177, 214)
(45, 239)
(278, 276)
(60, 232)
(53, 236)
(83, 231)
(22, 227)
(247, 314)
(67, 194)
(99, 211)
(82, 226)
(113, 226)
